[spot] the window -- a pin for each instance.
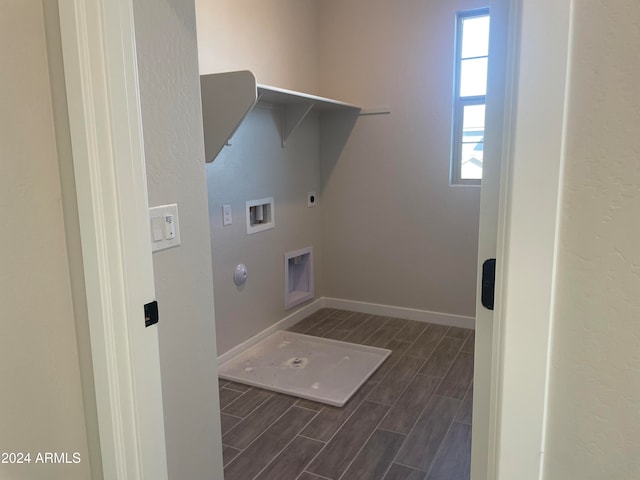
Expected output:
(471, 59)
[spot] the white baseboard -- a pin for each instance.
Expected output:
(354, 306)
(283, 324)
(401, 312)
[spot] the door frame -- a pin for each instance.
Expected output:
(100, 69)
(104, 108)
(501, 85)
(529, 215)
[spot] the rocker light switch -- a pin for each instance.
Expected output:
(156, 229)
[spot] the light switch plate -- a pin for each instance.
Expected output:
(170, 232)
(227, 219)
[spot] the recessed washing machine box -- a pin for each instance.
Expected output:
(260, 215)
(298, 277)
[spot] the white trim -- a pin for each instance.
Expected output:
(427, 316)
(106, 135)
(527, 240)
(361, 307)
(557, 240)
(486, 402)
(283, 324)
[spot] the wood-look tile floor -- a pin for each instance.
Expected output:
(410, 421)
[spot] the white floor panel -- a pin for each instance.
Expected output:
(320, 369)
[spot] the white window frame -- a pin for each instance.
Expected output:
(460, 102)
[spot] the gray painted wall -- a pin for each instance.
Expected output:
(41, 399)
(392, 229)
(395, 232)
(277, 40)
(253, 167)
(172, 124)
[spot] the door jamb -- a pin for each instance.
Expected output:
(100, 66)
(528, 238)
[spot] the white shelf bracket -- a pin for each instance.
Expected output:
(292, 116)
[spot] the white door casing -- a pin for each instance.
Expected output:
(510, 395)
(499, 114)
(100, 67)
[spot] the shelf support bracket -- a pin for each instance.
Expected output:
(292, 116)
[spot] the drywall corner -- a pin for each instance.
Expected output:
(174, 150)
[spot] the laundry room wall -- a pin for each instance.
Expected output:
(275, 39)
(394, 231)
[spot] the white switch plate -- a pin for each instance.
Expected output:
(227, 219)
(170, 231)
